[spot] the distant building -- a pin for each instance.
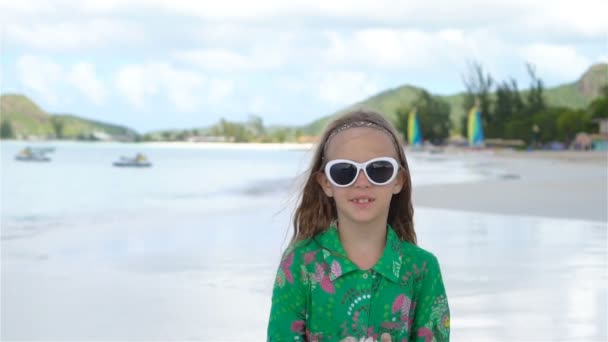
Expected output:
(101, 136)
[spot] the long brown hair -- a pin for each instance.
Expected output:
(316, 211)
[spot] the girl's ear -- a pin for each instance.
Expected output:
(324, 184)
(399, 182)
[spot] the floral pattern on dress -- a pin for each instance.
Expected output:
(320, 295)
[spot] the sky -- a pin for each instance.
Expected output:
(172, 64)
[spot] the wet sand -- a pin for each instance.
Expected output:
(546, 184)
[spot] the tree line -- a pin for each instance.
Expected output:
(506, 112)
(253, 130)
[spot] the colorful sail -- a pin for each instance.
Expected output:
(475, 129)
(414, 136)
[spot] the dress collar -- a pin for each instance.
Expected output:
(389, 264)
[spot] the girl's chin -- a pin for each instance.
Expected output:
(360, 217)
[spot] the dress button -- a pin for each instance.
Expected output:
(365, 275)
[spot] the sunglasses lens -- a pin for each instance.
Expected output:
(343, 173)
(380, 171)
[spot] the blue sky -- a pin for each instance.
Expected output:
(156, 64)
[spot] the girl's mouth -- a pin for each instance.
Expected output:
(362, 200)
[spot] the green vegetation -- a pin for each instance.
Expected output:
(575, 95)
(478, 87)
(26, 119)
(6, 130)
(528, 116)
(73, 127)
(433, 116)
(25, 116)
(228, 131)
(599, 107)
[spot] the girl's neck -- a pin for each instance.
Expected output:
(363, 243)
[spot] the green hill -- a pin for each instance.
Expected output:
(385, 102)
(28, 120)
(74, 127)
(25, 116)
(576, 95)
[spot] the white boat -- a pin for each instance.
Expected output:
(34, 155)
(138, 161)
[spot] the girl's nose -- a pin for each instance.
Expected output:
(362, 180)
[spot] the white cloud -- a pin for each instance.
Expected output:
(131, 83)
(267, 10)
(258, 105)
(583, 17)
(345, 87)
(12, 8)
(74, 35)
(556, 61)
(220, 89)
(184, 88)
(215, 59)
(398, 49)
(224, 60)
(40, 75)
(47, 78)
(83, 77)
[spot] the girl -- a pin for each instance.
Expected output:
(353, 269)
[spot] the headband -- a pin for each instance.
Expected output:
(356, 124)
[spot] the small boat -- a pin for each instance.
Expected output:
(138, 161)
(34, 155)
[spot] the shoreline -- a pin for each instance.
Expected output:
(552, 184)
(174, 144)
(232, 146)
(564, 155)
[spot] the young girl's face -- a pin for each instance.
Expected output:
(362, 202)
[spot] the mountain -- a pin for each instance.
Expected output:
(576, 95)
(27, 119)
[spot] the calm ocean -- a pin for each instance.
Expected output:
(188, 248)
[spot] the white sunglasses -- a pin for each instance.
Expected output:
(379, 171)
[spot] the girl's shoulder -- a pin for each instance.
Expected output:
(300, 249)
(416, 251)
(416, 257)
(407, 252)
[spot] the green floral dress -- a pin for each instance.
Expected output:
(320, 295)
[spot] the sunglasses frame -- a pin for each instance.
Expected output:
(361, 166)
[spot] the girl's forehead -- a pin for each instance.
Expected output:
(360, 143)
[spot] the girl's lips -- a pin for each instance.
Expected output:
(362, 199)
(362, 202)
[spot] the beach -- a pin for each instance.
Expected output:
(560, 184)
(188, 249)
(523, 251)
